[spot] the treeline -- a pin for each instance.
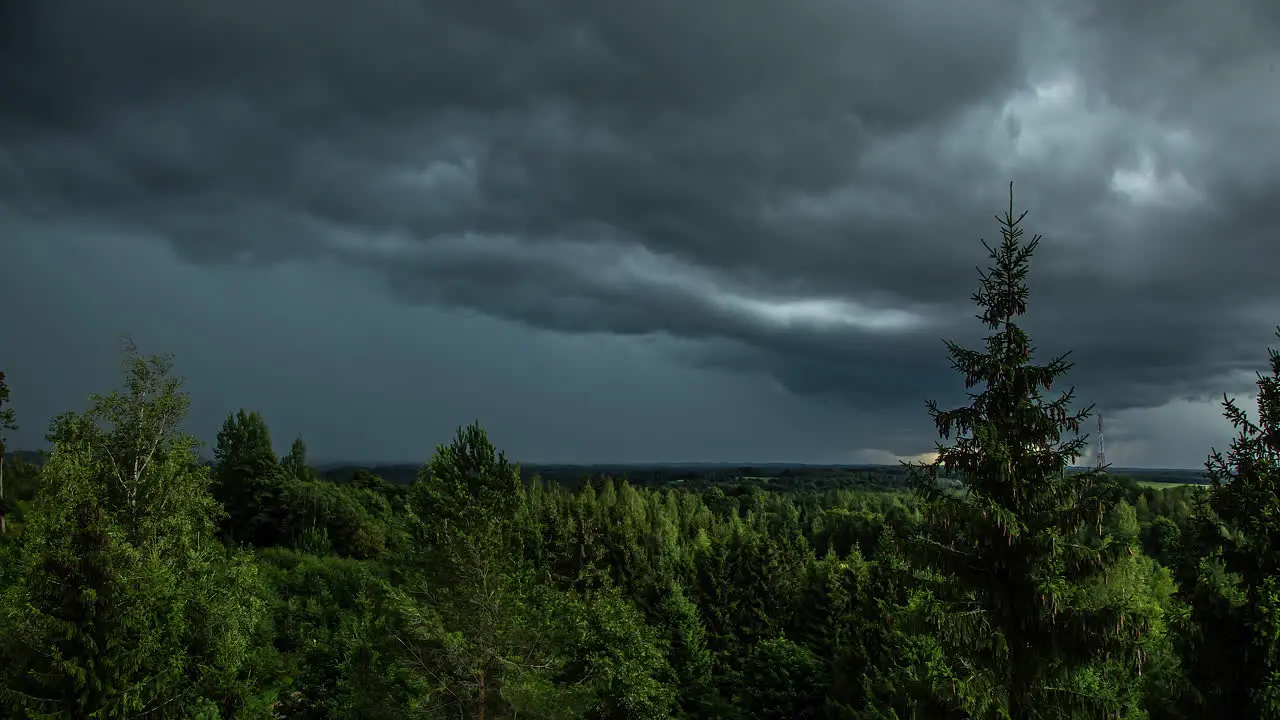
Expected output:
(138, 581)
(697, 477)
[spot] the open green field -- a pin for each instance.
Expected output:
(1164, 485)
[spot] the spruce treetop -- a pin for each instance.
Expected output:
(1008, 549)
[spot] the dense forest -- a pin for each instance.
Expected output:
(1000, 581)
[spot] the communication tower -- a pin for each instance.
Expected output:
(1102, 448)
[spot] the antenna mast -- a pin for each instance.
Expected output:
(1102, 448)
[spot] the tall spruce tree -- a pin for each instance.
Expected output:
(1008, 553)
(1245, 495)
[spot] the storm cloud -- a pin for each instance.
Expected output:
(781, 193)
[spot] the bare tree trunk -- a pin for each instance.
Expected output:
(481, 700)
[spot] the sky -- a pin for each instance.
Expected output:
(722, 231)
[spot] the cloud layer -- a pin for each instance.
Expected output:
(790, 191)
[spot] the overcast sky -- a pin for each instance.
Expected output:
(722, 230)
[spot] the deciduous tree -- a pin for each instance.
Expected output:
(125, 604)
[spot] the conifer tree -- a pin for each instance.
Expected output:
(295, 465)
(688, 655)
(1245, 495)
(247, 476)
(469, 616)
(1007, 552)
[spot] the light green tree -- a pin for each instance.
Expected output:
(471, 620)
(124, 604)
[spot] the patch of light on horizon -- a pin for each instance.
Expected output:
(924, 457)
(876, 456)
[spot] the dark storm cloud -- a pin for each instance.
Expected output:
(798, 186)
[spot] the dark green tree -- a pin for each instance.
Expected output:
(1006, 552)
(1245, 496)
(688, 655)
(248, 478)
(7, 422)
(782, 681)
(295, 464)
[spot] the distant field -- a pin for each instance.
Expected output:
(1161, 478)
(1165, 484)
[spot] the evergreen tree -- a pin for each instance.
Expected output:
(295, 465)
(782, 681)
(248, 478)
(1245, 495)
(688, 655)
(469, 616)
(1006, 553)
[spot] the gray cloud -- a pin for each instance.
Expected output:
(786, 190)
(320, 351)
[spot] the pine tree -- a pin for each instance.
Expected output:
(1008, 551)
(1245, 495)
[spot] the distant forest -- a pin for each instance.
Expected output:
(1000, 581)
(781, 477)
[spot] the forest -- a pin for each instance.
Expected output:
(138, 580)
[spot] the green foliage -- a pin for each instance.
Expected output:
(8, 421)
(294, 465)
(782, 681)
(612, 658)
(1245, 496)
(1006, 554)
(1005, 585)
(123, 603)
(249, 479)
(347, 518)
(468, 616)
(688, 656)
(329, 619)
